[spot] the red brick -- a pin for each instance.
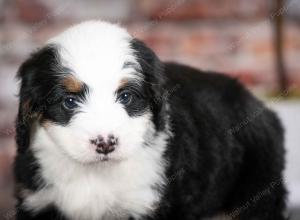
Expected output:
(208, 9)
(32, 11)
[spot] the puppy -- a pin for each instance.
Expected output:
(105, 131)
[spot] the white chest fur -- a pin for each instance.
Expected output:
(109, 190)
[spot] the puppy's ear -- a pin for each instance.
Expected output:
(33, 75)
(153, 71)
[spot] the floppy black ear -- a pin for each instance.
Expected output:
(33, 74)
(153, 71)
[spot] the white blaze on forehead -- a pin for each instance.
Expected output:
(96, 51)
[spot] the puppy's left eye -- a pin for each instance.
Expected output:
(70, 103)
(125, 98)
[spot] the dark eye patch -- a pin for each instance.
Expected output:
(138, 104)
(57, 108)
(46, 82)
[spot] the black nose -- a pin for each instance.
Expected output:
(105, 147)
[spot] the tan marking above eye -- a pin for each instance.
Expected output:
(72, 84)
(123, 82)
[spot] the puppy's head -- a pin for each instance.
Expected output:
(93, 90)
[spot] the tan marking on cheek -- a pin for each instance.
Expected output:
(45, 123)
(72, 84)
(28, 114)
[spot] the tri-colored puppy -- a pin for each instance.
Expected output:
(106, 131)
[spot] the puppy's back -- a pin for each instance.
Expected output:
(242, 139)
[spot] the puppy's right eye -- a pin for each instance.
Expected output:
(70, 103)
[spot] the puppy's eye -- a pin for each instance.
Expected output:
(125, 98)
(70, 103)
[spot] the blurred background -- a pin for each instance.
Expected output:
(257, 41)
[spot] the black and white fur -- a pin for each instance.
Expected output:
(187, 144)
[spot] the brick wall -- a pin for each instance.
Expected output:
(231, 36)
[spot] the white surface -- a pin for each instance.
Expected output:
(289, 112)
